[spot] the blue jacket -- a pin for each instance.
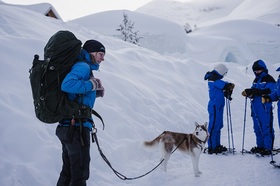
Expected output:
(216, 93)
(275, 96)
(260, 111)
(216, 86)
(261, 82)
(77, 82)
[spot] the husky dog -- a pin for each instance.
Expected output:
(192, 144)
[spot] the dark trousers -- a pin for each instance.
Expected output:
(75, 156)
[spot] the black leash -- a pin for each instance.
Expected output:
(97, 115)
(121, 176)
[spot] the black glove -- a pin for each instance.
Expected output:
(259, 92)
(228, 95)
(248, 92)
(266, 99)
(229, 88)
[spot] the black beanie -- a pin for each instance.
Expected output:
(93, 46)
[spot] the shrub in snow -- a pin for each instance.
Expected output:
(127, 32)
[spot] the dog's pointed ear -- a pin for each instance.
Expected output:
(196, 124)
(205, 124)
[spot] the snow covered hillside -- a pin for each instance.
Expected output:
(153, 30)
(147, 92)
(214, 27)
(188, 11)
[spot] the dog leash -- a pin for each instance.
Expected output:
(118, 174)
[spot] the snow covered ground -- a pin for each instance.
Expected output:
(147, 92)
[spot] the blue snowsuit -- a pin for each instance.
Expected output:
(75, 154)
(262, 114)
(215, 108)
(275, 96)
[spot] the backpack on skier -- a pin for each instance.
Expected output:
(50, 102)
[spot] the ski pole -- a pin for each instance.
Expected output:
(230, 124)
(244, 125)
(272, 161)
(272, 142)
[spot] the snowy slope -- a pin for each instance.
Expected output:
(146, 93)
(153, 30)
(200, 12)
(192, 12)
(256, 40)
(232, 43)
(267, 11)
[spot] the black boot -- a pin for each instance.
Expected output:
(255, 150)
(265, 152)
(222, 148)
(210, 151)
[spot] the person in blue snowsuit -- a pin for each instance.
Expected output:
(262, 114)
(274, 96)
(80, 85)
(218, 91)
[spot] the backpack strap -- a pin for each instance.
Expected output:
(92, 111)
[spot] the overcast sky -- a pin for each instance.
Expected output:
(71, 9)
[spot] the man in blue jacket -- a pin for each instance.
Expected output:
(274, 96)
(218, 89)
(261, 113)
(80, 85)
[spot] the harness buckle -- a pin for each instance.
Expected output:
(93, 133)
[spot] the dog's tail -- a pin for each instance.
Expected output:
(155, 141)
